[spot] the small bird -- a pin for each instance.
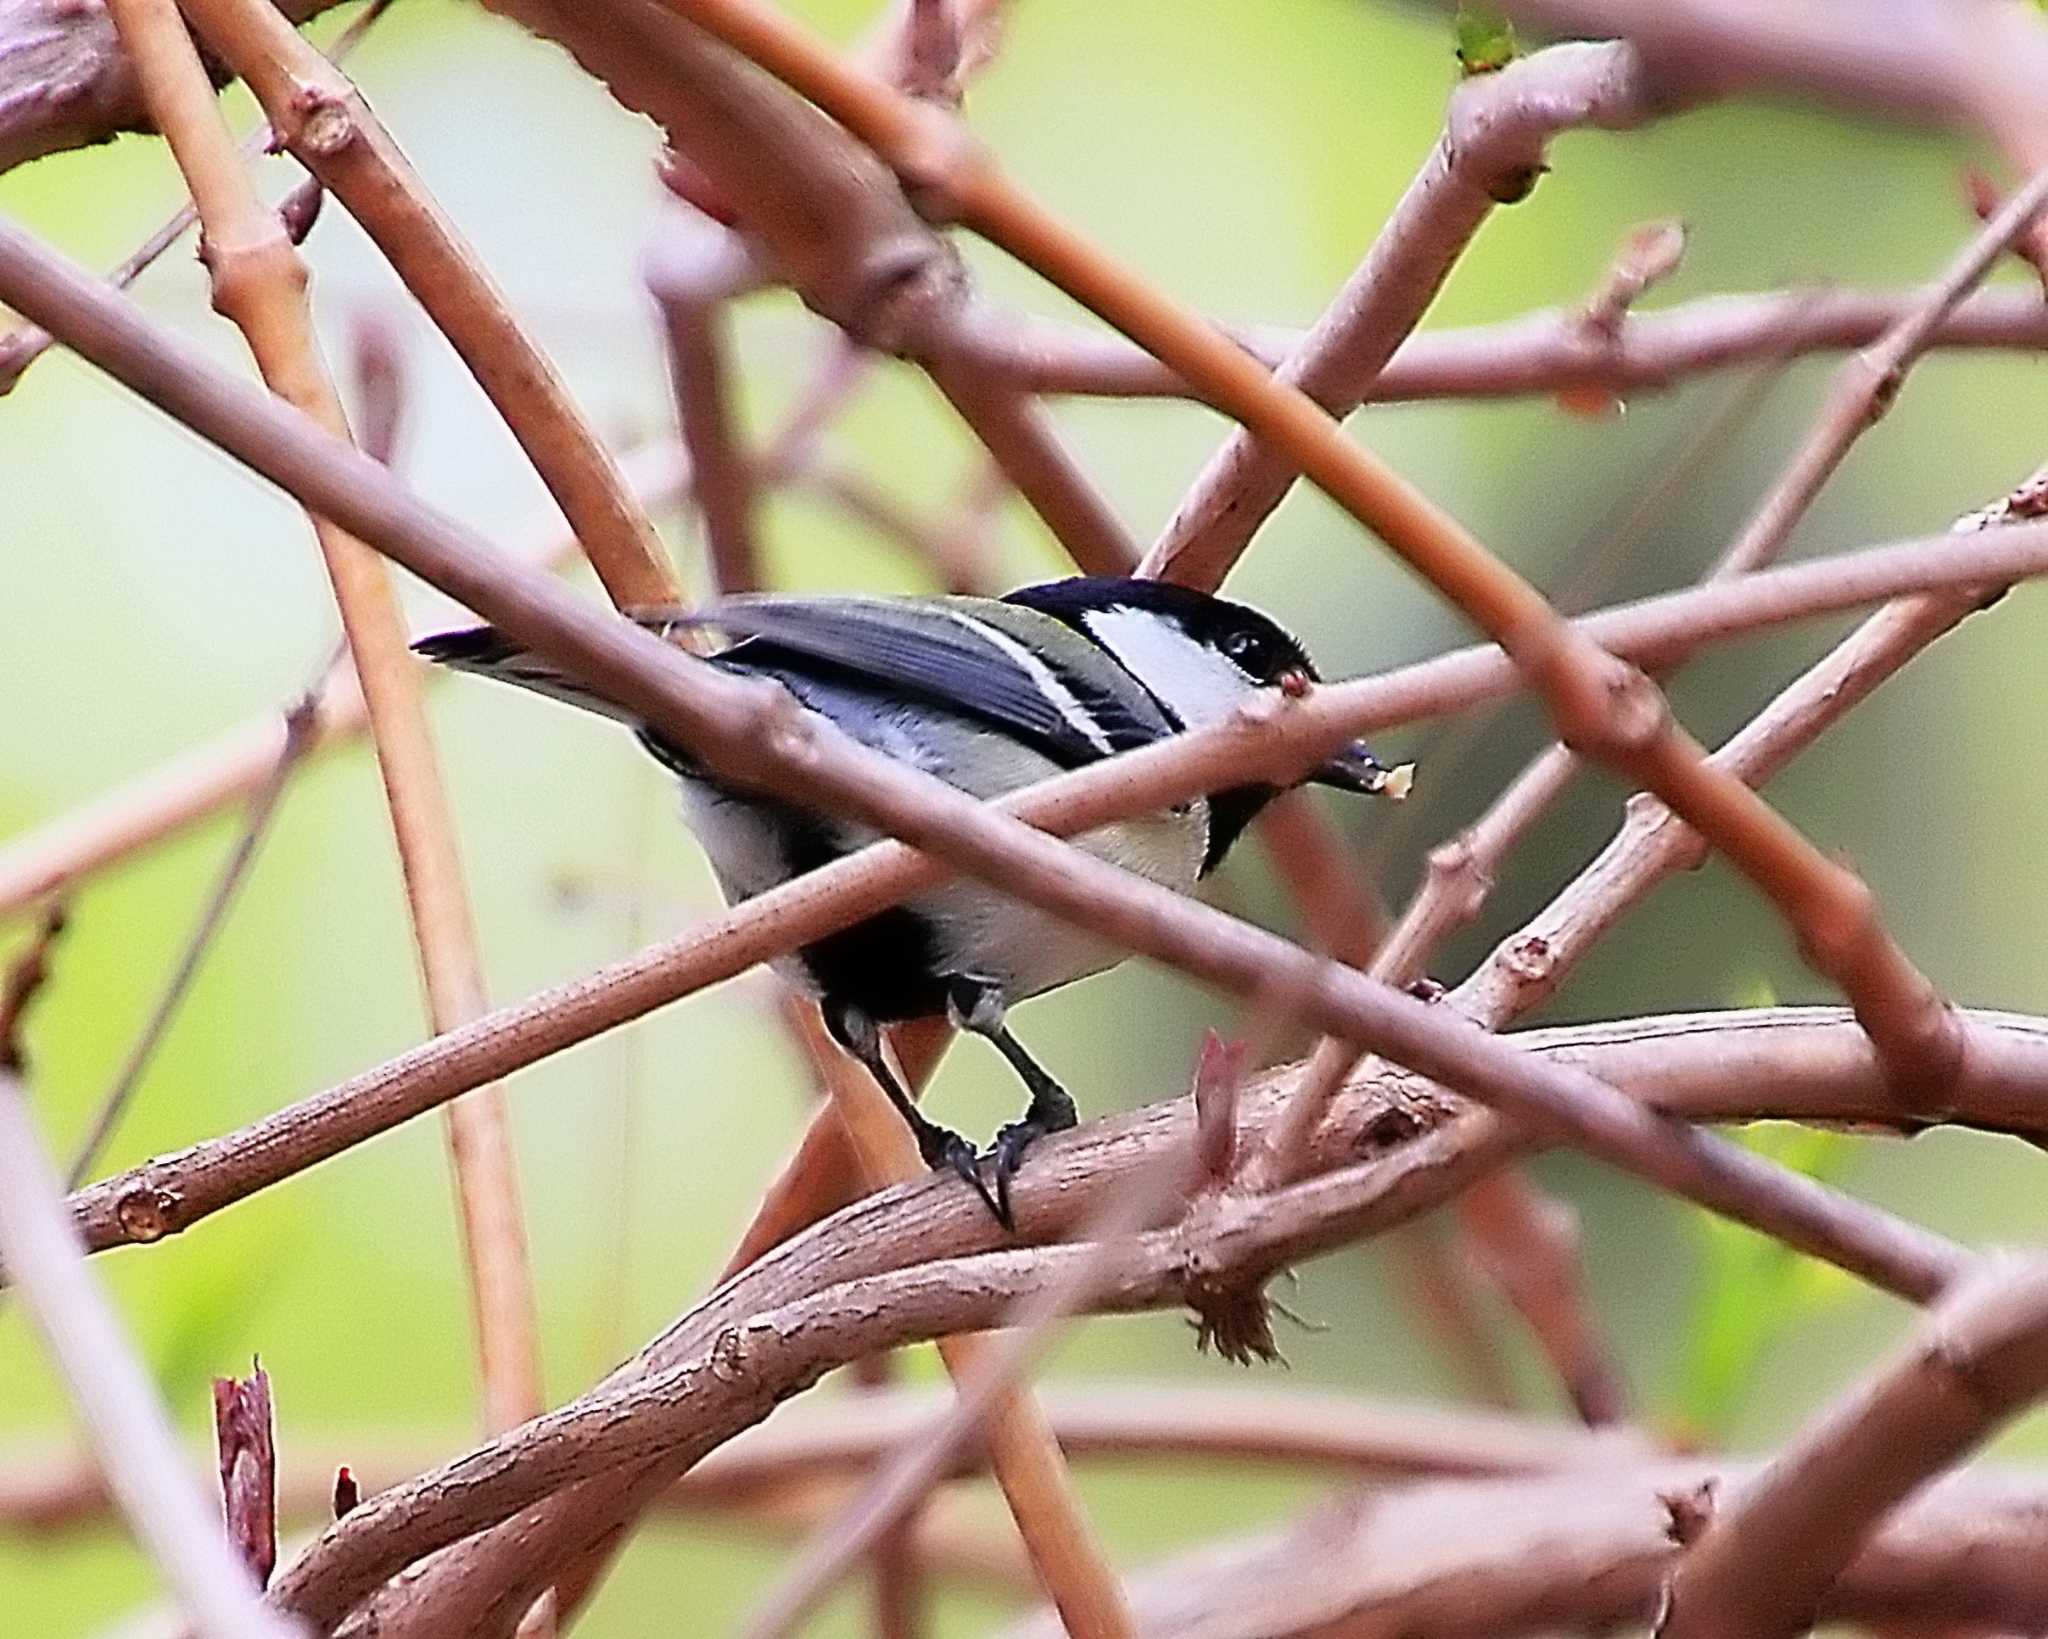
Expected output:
(988, 694)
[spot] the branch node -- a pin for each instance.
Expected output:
(148, 1213)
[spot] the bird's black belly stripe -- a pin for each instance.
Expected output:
(885, 965)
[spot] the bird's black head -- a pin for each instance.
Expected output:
(1201, 657)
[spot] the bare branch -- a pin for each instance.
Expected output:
(64, 81)
(1767, 1563)
(1582, 1552)
(298, 731)
(1492, 151)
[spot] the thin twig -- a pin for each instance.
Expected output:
(298, 734)
(1579, 1553)
(1543, 353)
(21, 346)
(1492, 151)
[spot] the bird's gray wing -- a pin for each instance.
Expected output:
(1044, 683)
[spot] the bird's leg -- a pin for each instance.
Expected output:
(941, 1147)
(976, 1005)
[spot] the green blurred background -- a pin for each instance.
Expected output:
(151, 594)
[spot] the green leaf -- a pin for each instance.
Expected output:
(1751, 1286)
(1486, 40)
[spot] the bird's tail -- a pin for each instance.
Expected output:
(488, 652)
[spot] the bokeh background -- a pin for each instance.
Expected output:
(151, 594)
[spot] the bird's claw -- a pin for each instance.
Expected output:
(1011, 1143)
(946, 1151)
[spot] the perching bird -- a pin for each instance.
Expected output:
(989, 695)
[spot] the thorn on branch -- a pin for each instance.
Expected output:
(1688, 1512)
(248, 1468)
(300, 209)
(1986, 199)
(1647, 255)
(1218, 1077)
(347, 1493)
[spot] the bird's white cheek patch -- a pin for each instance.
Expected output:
(1195, 681)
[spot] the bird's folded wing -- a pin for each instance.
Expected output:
(1048, 686)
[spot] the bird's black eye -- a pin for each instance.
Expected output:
(1245, 649)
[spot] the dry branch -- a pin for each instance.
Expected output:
(64, 80)
(260, 283)
(1574, 1553)
(923, 1259)
(46, 1489)
(1537, 354)
(1492, 150)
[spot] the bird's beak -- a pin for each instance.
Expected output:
(1355, 768)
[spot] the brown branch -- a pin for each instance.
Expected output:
(260, 284)
(46, 1489)
(1583, 1552)
(1866, 385)
(1602, 708)
(844, 1288)
(323, 120)
(1492, 151)
(1538, 354)
(1766, 1565)
(27, 970)
(22, 345)
(246, 1440)
(129, 1431)
(694, 267)
(64, 80)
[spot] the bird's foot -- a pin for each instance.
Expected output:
(1011, 1143)
(946, 1151)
